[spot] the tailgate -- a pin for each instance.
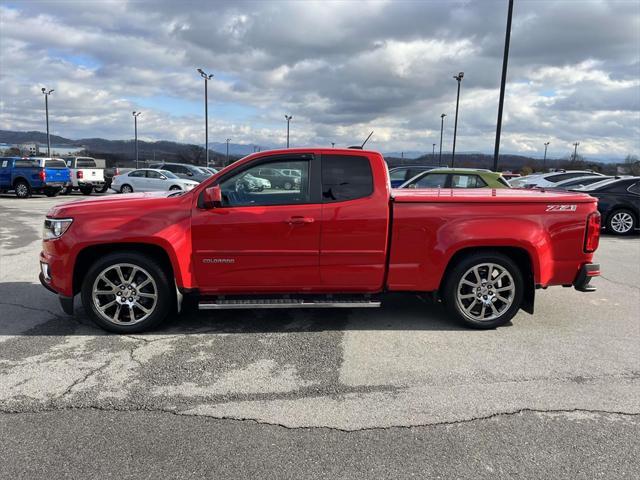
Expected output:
(57, 175)
(92, 175)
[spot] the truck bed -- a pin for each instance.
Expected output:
(431, 225)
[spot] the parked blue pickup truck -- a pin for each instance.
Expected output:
(28, 175)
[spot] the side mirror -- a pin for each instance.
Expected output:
(162, 177)
(213, 197)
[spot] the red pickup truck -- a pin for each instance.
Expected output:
(341, 237)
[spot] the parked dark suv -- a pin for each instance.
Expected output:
(618, 203)
(183, 170)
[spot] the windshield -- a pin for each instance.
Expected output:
(168, 174)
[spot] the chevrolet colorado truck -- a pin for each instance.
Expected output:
(341, 238)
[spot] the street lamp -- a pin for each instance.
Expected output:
(333, 144)
(433, 151)
(455, 123)
(575, 151)
(46, 94)
(544, 160)
(503, 81)
(288, 117)
(441, 129)
(206, 111)
(227, 162)
(135, 129)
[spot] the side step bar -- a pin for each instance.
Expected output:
(285, 303)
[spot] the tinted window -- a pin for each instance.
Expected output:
(467, 181)
(399, 174)
(85, 163)
(137, 173)
(55, 164)
(247, 188)
(23, 162)
(565, 176)
(635, 188)
(168, 174)
(430, 180)
(345, 178)
(618, 187)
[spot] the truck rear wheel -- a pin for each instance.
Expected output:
(86, 190)
(22, 189)
(127, 293)
(484, 290)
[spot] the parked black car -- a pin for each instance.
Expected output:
(618, 203)
(183, 170)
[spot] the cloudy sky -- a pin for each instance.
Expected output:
(340, 68)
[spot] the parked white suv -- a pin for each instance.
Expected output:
(86, 175)
(549, 179)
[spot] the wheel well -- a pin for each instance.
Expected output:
(87, 256)
(21, 179)
(519, 256)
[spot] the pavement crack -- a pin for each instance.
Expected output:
(619, 283)
(84, 378)
(147, 409)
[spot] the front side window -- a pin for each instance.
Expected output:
(467, 181)
(249, 188)
(154, 174)
(26, 163)
(345, 177)
(430, 180)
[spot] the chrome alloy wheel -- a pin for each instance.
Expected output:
(622, 222)
(485, 292)
(124, 294)
(22, 190)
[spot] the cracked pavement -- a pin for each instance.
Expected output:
(397, 392)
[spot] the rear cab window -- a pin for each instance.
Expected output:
(55, 163)
(346, 177)
(85, 163)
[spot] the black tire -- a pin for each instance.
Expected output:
(126, 188)
(165, 292)
(453, 282)
(67, 191)
(86, 190)
(288, 185)
(52, 192)
(618, 222)
(174, 188)
(102, 189)
(22, 189)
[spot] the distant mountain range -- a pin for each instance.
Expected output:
(121, 152)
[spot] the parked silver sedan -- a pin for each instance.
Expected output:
(150, 180)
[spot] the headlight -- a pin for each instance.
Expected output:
(55, 227)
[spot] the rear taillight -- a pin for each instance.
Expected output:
(117, 172)
(80, 174)
(43, 175)
(592, 235)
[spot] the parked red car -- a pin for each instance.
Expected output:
(340, 238)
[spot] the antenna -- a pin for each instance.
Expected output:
(366, 140)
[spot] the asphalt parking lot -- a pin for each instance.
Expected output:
(398, 392)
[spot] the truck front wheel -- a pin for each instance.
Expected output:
(484, 290)
(127, 293)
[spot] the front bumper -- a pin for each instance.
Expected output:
(65, 302)
(586, 273)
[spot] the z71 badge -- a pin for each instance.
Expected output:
(561, 208)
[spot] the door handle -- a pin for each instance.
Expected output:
(300, 220)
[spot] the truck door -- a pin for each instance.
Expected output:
(353, 242)
(264, 239)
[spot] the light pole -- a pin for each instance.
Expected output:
(575, 151)
(288, 117)
(441, 130)
(433, 151)
(206, 111)
(135, 130)
(544, 160)
(333, 144)
(227, 162)
(455, 123)
(46, 94)
(505, 61)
